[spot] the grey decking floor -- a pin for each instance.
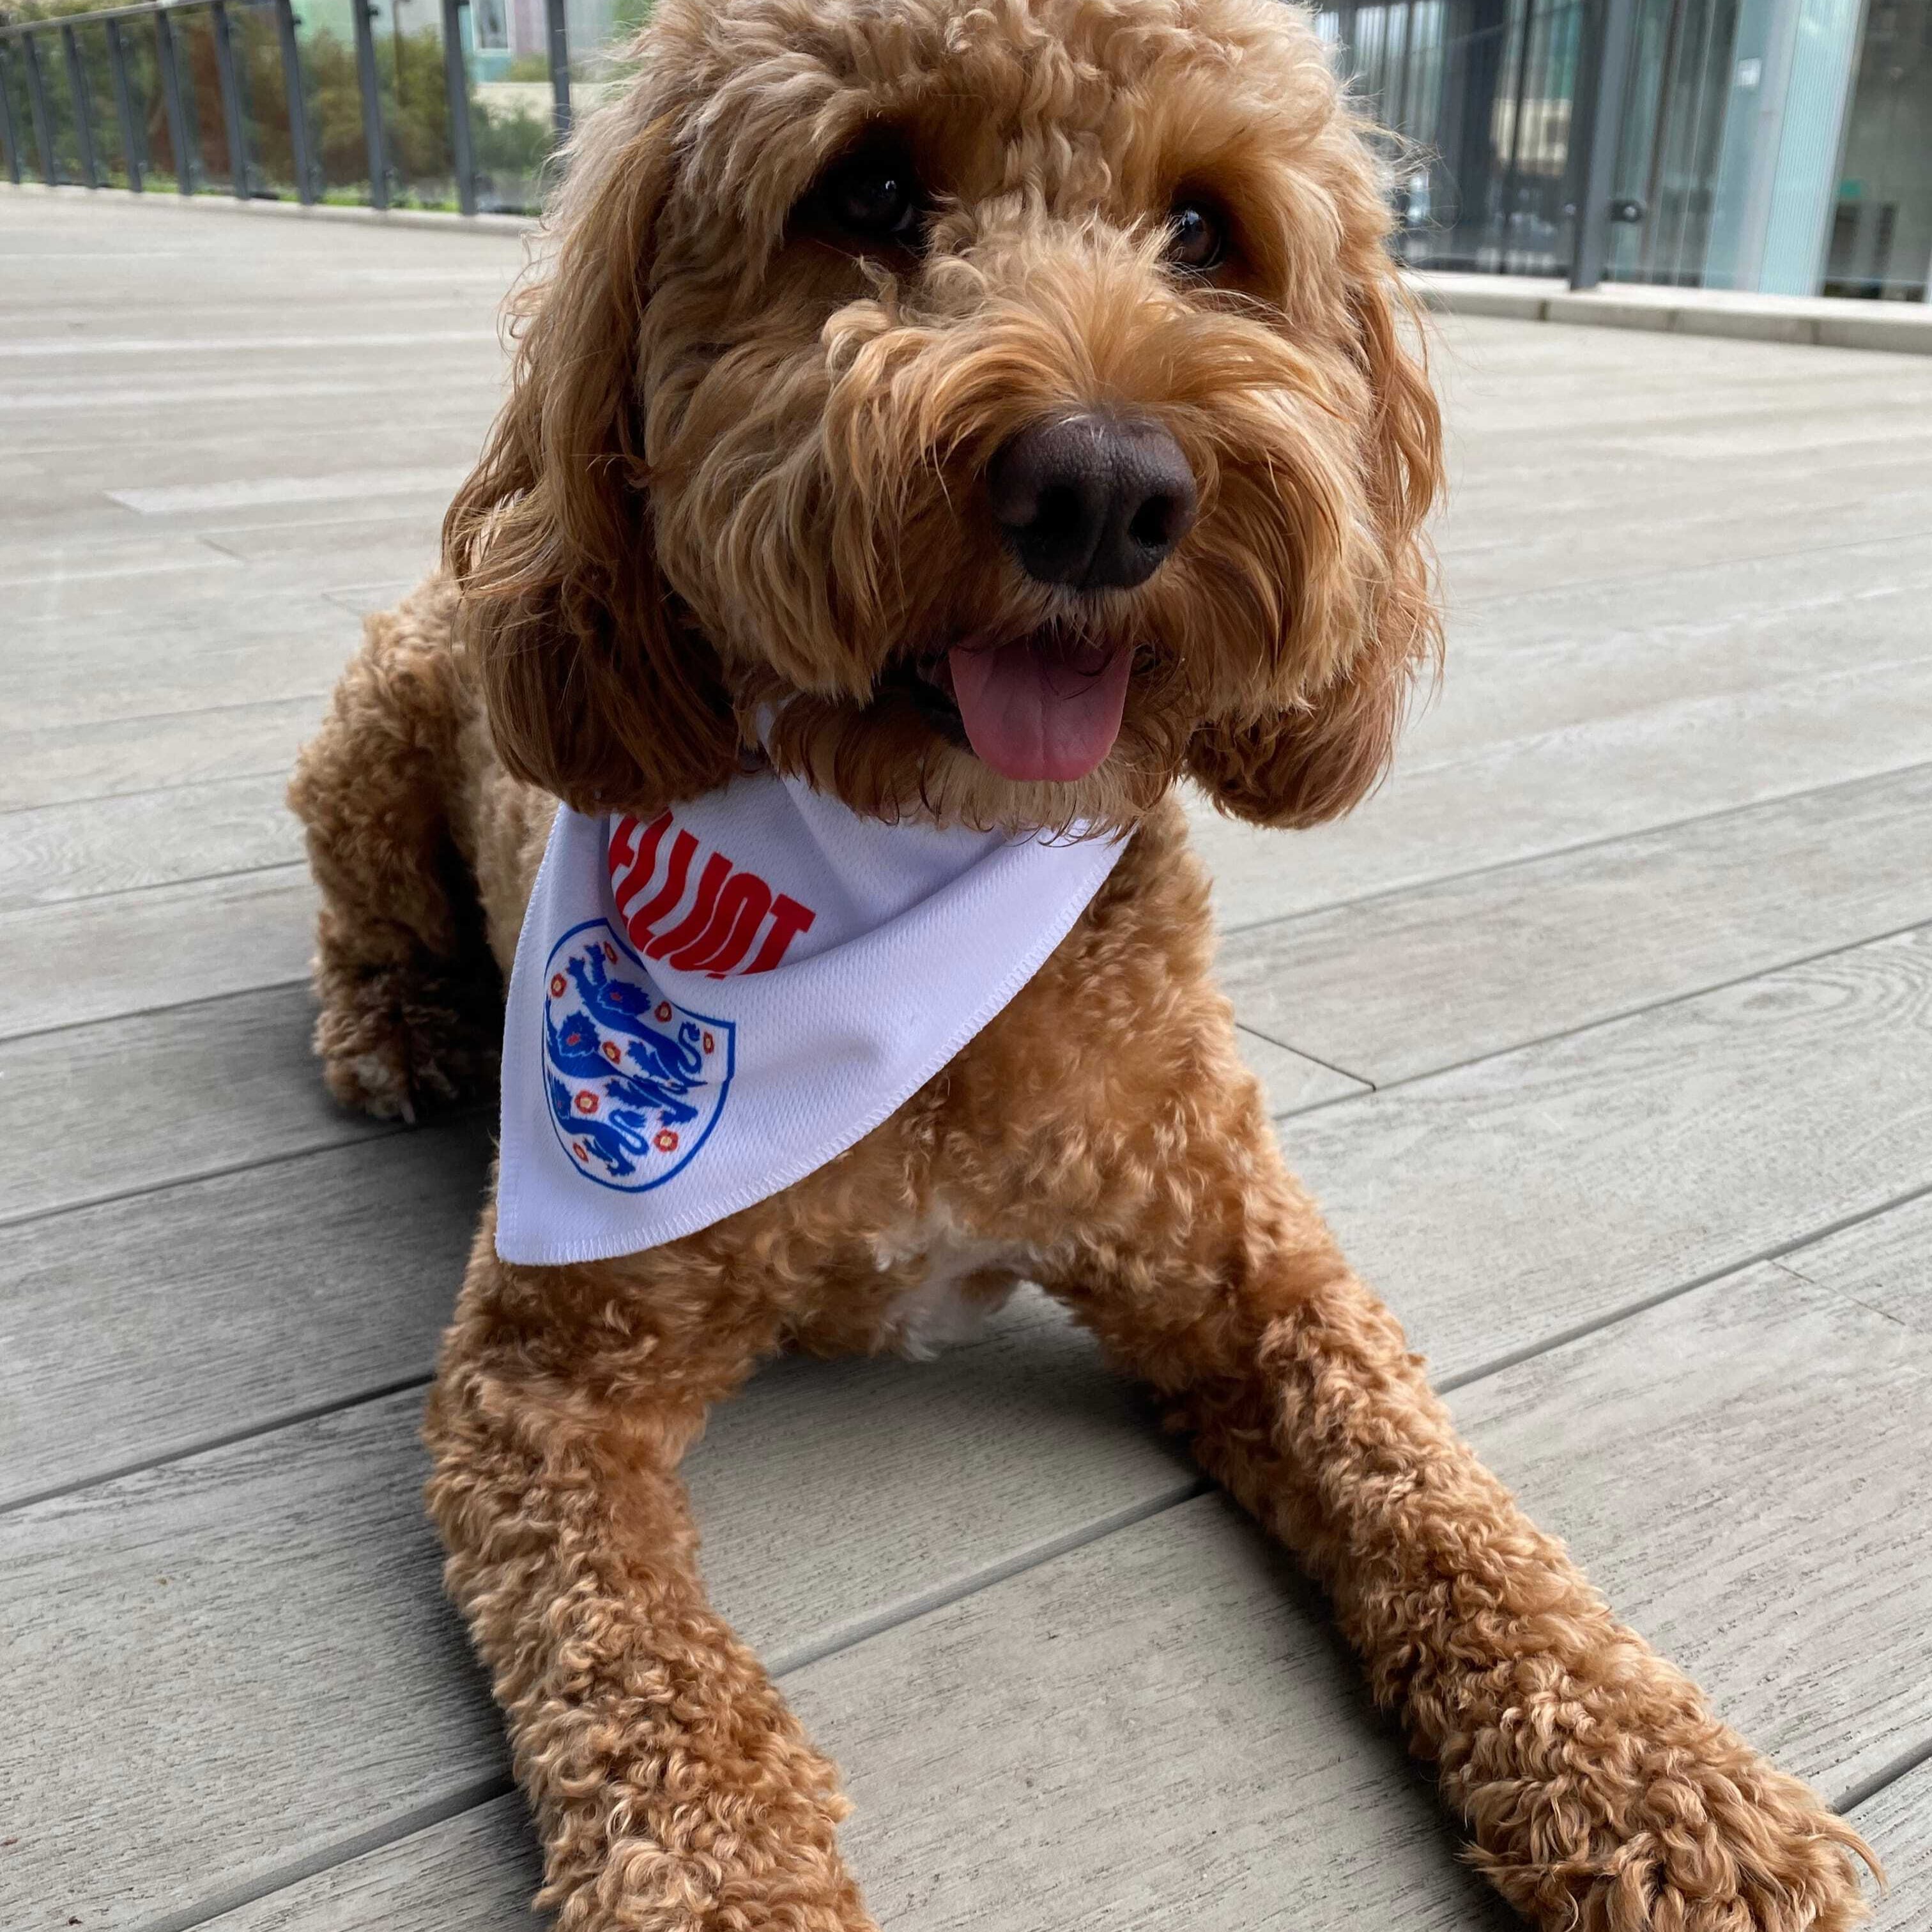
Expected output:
(1605, 1034)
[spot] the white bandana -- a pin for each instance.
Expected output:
(706, 1006)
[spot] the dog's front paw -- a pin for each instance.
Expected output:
(398, 1042)
(1654, 1819)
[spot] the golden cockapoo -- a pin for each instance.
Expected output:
(993, 411)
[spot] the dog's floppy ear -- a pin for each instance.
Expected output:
(597, 688)
(1314, 761)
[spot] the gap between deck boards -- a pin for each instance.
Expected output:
(1402, 888)
(1663, 1003)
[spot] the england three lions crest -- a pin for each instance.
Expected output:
(635, 1082)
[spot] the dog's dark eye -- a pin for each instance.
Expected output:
(1197, 237)
(875, 197)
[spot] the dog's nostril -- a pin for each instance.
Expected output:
(1153, 524)
(1061, 514)
(1093, 502)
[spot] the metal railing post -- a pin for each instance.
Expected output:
(9, 132)
(171, 99)
(37, 106)
(360, 14)
(456, 89)
(558, 35)
(298, 101)
(124, 105)
(231, 101)
(83, 110)
(1616, 34)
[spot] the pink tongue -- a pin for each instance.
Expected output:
(1033, 715)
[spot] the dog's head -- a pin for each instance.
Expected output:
(1001, 407)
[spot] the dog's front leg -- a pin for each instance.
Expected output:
(1603, 1794)
(673, 1790)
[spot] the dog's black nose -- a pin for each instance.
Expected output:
(1094, 502)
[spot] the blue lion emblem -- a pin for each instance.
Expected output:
(634, 1081)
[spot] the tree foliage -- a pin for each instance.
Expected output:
(510, 146)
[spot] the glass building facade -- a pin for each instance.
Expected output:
(1783, 146)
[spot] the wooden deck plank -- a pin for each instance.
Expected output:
(1885, 1264)
(1854, 437)
(1547, 397)
(232, 1663)
(1742, 1472)
(199, 476)
(110, 538)
(141, 1329)
(138, 952)
(168, 437)
(1393, 987)
(1662, 524)
(152, 402)
(52, 853)
(326, 541)
(296, 651)
(363, 600)
(1549, 792)
(93, 1112)
(1158, 1730)
(112, 606)
(1537, 661)
(1898, 1824)
(477, 1871)
(995, 1453)
(123, 600)
(139, 556)
(58, 765)
(1858, 449)
(228, 476)
(1290, 1080)
(301, 1614)
(1508, 1202)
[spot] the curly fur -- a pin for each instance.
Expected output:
(735, 493)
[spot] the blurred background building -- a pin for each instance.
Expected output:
(1782, 146)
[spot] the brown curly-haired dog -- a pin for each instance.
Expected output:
(847, 306)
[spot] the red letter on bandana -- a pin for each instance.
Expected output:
(634, 855)
(716, 868)
(638, 925)
(789, 919)
(742, 907)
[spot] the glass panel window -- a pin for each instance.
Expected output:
(1880, 241)
(512, 103)
(206, 134)
(325, 34)
(261, 82)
